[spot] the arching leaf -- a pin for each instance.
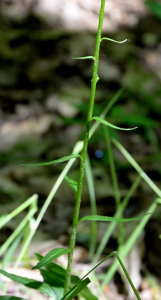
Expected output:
(85, 57)
(53, 162)
(50, 256)
(111, 125)
(109, 219)
(73, 184)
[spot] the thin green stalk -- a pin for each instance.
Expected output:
(84, 151)
(113, 224)
(36, 223)
(19, 209)
(137, 167)
(123, 251)
(10, 252)
(33, 207)
(112, 166)
(27, 243)
(128, 277)
(17, 231)
(93, 207)
(115, 183)
(78, 147)
(105, 111)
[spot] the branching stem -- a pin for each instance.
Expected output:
(84, 151)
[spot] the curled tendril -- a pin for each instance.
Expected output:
(121, 42)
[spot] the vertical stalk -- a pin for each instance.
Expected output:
(90, 182)
(84, 151)
(115, 184)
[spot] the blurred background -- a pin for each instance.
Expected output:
(44, 96)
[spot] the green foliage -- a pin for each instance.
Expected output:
(155, 8)
(31, 283)
(73, 184)
(52, 255)
(58, 283)
(53, 162)
(110, 125)
(54, 278)
(109, 219)
(85, 57)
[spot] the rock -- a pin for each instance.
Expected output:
(78, 15)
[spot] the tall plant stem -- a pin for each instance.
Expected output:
(84, 151)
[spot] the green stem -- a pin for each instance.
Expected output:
(115, 183)
(113, 224)
(90, 182)
(130, 242)
(84, 151)
(112, 167)
(78, 147)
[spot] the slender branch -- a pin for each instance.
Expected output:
(84, 151)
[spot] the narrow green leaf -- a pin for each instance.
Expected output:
(9, 254)
(54, 275)
(128, 277)
(113, 224)
(98, 264)
(86, 292)
(73, 184)
(76, 289)
(53, 162)
(85, 57)
(137, 167)
(109, 219)
(52, 279)
(11, 298)
(111, 125)
(115, 40)
(90, 182)
(123, 251)
(49, 257)
(56, 269)
(31, 283)
(4, 219)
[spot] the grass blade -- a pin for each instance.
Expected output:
(137, 167)
(53, 162)
(109, 219)
(128, 277)
(113, 224)
(77, 148)
(129, 244)
(90, 182)
(115, 182)
(9, 255)
(76, 289)
(7, 217)
(98, 119)
(17, 231)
